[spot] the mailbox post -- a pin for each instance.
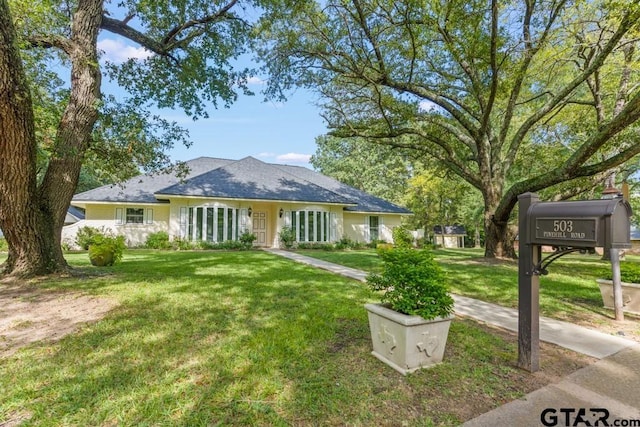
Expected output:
(528, 291)
(575, 226)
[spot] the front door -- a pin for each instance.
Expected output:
(260, 228)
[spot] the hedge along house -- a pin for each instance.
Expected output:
(219, 199)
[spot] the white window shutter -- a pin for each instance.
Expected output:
(244, 219)
(183, 222)
(149, 219)
(333, 227)
(119, 216)
(367, 223)
(287, 219)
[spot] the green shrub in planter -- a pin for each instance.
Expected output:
(106, 250)
(412, 283)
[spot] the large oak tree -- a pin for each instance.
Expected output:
(192, 44)
(512, 96)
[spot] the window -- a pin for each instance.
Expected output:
(374, 228)
(220, 231)
(303, 227)
(135, 216)
(210, 224)
(312, 226)
(199, 220)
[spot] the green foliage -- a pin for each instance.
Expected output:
(287, 237)
(316, 245)
(346, 243)
(377, 169)
(3, 245)
(227, 245)
(401, 237)
(106, 250)
(412, 283)
(247, 238)
(374, 243)
(629, 272)
(159, 240)
(86, 235)
(506, 105)
(183, 244)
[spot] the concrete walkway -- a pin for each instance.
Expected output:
(611, 384)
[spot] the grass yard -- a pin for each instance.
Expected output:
(568, 293)
(247, 338)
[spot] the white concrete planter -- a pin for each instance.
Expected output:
(630, 295)
(406, 343)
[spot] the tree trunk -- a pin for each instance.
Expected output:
(20, 217)
(31, 217)
(498, 240)
(498, 236)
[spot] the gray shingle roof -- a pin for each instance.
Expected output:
(365, 202)
(250, 178)
(73, 215)
(247, 178)
(141, 189)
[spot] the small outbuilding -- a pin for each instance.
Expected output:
(449, 236)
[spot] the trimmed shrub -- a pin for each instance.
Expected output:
(183, 244)
(247, 239)
(287, 237)
(401, 237)
(412, 283)
(316, 245)
(106, 250)
(159, 240)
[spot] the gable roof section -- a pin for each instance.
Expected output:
(250, 178)
(141, 189)
(365, 202)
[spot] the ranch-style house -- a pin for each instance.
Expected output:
(219, 199)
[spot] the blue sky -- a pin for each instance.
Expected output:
(272, 132)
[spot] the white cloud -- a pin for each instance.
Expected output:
(118, 51)
(256, 81)
(294, 158)
(266, 154)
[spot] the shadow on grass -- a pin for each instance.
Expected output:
(231, 338)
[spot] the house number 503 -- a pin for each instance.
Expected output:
(563, 226)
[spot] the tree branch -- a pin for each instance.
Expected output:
(627, 22)
(48, 42)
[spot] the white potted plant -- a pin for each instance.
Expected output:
(409, 329)
(630, 277)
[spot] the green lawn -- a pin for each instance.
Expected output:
(245, 338)
(569, 292)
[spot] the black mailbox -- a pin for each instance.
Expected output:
(580, 224)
